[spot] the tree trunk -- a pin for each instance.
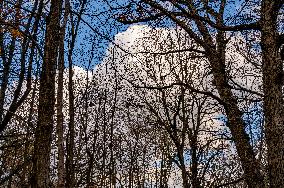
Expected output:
(194, 167)
(253, 176)
(60, 117)
(5, 75)
(272, 87)
(70, 176)
(43, 133)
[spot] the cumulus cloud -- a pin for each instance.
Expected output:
(149, 57)
(143, 60)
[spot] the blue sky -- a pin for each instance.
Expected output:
(104, 28)
(97, 16)
(109, 27)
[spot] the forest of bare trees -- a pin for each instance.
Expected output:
(141, 93)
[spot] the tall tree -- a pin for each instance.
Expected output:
(272, 68)
(70, 146)
(207, 15)
(43, 133)
(29, 42)
(59, 104)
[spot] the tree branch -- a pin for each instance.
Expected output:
(210, 94)
(230, 183)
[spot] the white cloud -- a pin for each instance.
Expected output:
(162, 70)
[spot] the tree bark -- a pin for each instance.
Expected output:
(70, 144)
(70, 170)
(272, 87)
(253, 177)
(43, 132)
(60, 117)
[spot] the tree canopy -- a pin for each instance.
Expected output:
(141, 93)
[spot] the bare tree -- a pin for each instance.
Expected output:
(167, 106)
(43, 133)
(214, 45)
